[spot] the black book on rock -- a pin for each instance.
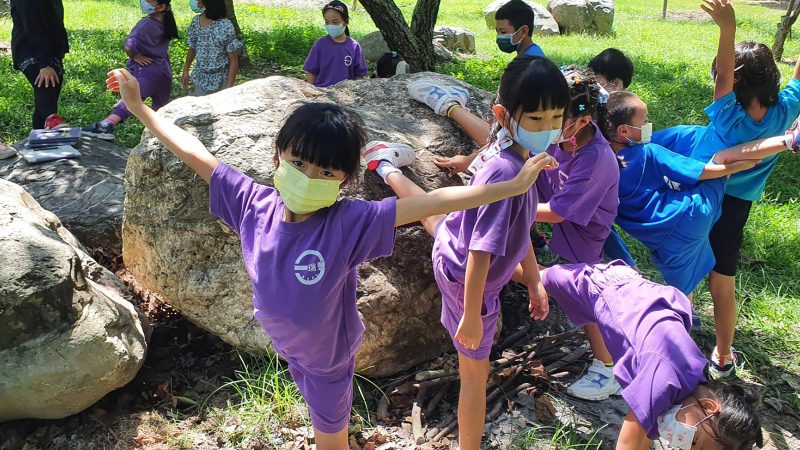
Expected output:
(50, 138)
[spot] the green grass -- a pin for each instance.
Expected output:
(672, 60)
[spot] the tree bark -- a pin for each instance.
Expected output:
(415, 43)
(664, 11)
(244, 58)
(785, 28)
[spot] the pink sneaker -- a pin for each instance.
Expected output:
(54, 122)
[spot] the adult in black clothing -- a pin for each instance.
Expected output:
(38, 45)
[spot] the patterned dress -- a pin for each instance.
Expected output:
(212, 44)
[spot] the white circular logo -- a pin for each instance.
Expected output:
(309, 267)
(348, 60)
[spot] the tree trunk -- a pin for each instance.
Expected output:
(784, 28)
(664, 11)
(244, 59)
(415, 43)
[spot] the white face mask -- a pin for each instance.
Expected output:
(679, 436)
(647, 133)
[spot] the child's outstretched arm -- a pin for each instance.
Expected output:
(185, 146)
(456, 198)
(739, 156)
(721, 11)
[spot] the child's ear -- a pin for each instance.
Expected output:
(710, 406)
(622, 131)
(501, 115)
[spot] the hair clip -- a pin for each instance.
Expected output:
(581, 107)
(602, 96)
(336, 7)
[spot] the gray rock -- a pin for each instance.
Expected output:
(544, 24)
(85, 193)
(68, 332)
(455, 39)
(374, 46)
(173, 245)
(583, 16)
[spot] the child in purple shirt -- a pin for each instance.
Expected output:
(660, 368)
(476, 252)
(146, 47)
(301, 246)
(335, 57)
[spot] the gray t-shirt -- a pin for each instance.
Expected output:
(212, 44)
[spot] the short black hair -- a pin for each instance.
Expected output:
(755, 75)
(737, 426)
(611, 63)
(619, 110)
(529, 84)
(386, 67)
(324, 134)
(215, 9)
(517, 13)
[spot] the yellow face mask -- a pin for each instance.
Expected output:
(301, 194)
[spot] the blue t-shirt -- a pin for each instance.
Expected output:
(734, 126)
(650, 199)
(534, 50)
(680, 139)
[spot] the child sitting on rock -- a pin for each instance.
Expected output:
(335, 57)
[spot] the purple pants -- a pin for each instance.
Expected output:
(329, 396)
(453, 310)
(155, 82)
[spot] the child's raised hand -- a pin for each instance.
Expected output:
(539, 305)
(530, 171)
(470, 332)
(721, 11)
(120, 80)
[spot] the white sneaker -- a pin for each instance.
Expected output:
(720, 369)
(6, 152)
(396, 154)
(438, 98)
(597, 384)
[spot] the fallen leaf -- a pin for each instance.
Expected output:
(545, 410)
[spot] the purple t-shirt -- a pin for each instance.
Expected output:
(331, 62)
(584, 190)
(304, 273)
(645, 326)
(501, 228)
(147, 38)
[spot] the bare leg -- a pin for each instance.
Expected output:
(476, 128)
(597, 344)
(723, 293)
(403, 187)
(328, 441)
(471, 401)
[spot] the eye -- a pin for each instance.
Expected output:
(296, 163)
(558, 116)
(327, 174)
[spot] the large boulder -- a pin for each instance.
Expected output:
(544, 24)
(373, 45)
(583, 16)
(455, 39)
(85, 193)
(173, 245)
(68, 332)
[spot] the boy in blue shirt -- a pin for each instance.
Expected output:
(747, 105)
(514, 27)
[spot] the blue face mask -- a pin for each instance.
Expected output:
(195, 7)
(334, 30)
(534, 141)
(505, 42)
(147, 8)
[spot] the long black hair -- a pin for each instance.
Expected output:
(755, 75)
(324, 134)
(584, 93)
(341, 8)
(170, 27)
(531, 83)
(215, 9)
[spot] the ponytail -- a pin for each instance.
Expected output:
(170, 27)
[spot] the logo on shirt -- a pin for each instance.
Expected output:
(309, 267)
(348, 60)
(674, 185)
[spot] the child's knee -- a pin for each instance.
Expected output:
(473, 370)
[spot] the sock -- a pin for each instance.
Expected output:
(112, 120)
(385, 168)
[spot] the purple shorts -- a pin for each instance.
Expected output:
(453, 311)
(329, 396)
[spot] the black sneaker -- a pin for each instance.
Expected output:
(721, 369)
(539, 241)
(100, 130)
